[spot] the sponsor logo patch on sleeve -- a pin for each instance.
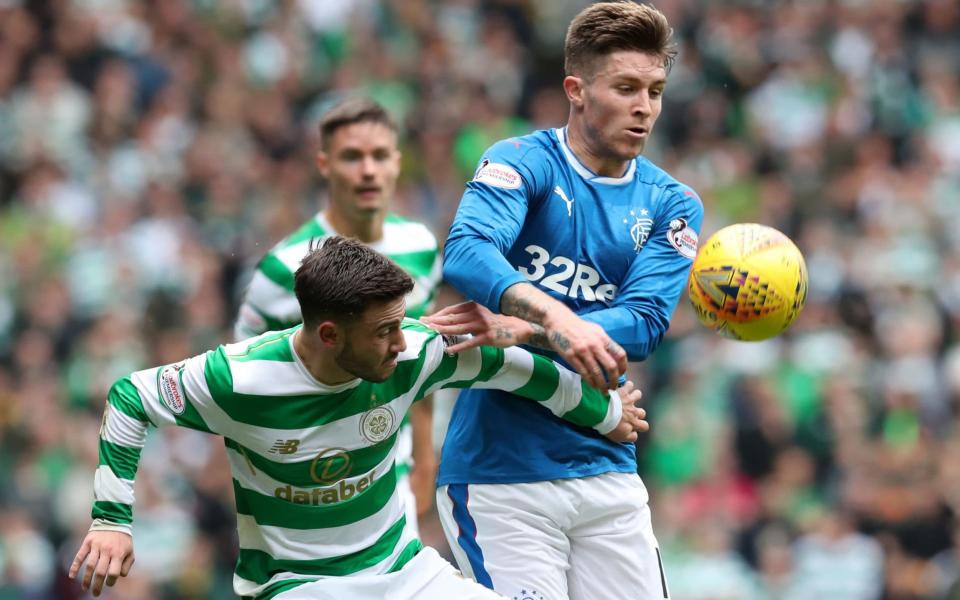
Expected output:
(683, 237)
(498, 175)
(171, 388)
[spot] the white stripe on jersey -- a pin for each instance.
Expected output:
(110, 488)
(123, 430)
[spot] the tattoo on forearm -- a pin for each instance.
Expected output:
(560, 341)
(511, 303)
(539, 337)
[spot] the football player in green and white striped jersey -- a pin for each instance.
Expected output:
(310, 416)
(359, 159)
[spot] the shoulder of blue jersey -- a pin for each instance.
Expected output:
(650, 173)
(505, 162)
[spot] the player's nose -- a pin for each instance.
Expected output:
(368, 167)
(642, 106)
(399, 343)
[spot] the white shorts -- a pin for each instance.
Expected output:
(426, 577)
(580, 539)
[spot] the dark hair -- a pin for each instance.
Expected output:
(606, 27)
(339, 279)
(350, 111)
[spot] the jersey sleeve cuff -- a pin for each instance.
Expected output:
(501, 286)
(614, 412)
(101, 525)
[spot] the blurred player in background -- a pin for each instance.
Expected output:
(311, 416)
(360, 160)
(572, 230)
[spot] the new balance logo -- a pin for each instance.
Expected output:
(563, 196)
(285, 447)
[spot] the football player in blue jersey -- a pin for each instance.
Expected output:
(589, 244)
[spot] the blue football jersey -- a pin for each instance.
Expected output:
(616, 250)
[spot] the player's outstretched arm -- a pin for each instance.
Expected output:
(484, 327)
(109, 556)
(561, 391)
(170, 395)
(585, 346)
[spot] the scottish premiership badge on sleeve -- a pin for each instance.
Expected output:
(170, 387)
(498, 175)
(683, 237)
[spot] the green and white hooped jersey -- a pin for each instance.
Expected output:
(312, 464)
(270, 304)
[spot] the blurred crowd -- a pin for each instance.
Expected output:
(152, 150)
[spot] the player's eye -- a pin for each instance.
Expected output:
(656, 93)
(625, 89)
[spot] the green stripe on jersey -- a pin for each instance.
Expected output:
(416, 262)
(114, 512)
(124, 397)
(409, 551)
(268, 510)
(259, 567)
(122, 460)
(590, 404)
(277, 272)
(544, 380)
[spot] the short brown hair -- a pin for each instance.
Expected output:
(350, 111)
(342, 277)
(606, 27)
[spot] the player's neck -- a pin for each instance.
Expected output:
(603, 166)
(367, 230)
(319, 363)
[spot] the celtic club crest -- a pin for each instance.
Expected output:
(377, 425)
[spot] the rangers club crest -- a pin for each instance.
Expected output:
(640, 229)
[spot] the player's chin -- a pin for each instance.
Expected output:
(385, 371)
(632, 148)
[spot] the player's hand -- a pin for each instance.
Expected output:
(633, 419)
(486, 327)
(109, 555)
(586, 347)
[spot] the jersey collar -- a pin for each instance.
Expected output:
(379, 245)
(585, 172)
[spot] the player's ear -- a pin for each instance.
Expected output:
(573, 87)
(323, 163)
(329, 334)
